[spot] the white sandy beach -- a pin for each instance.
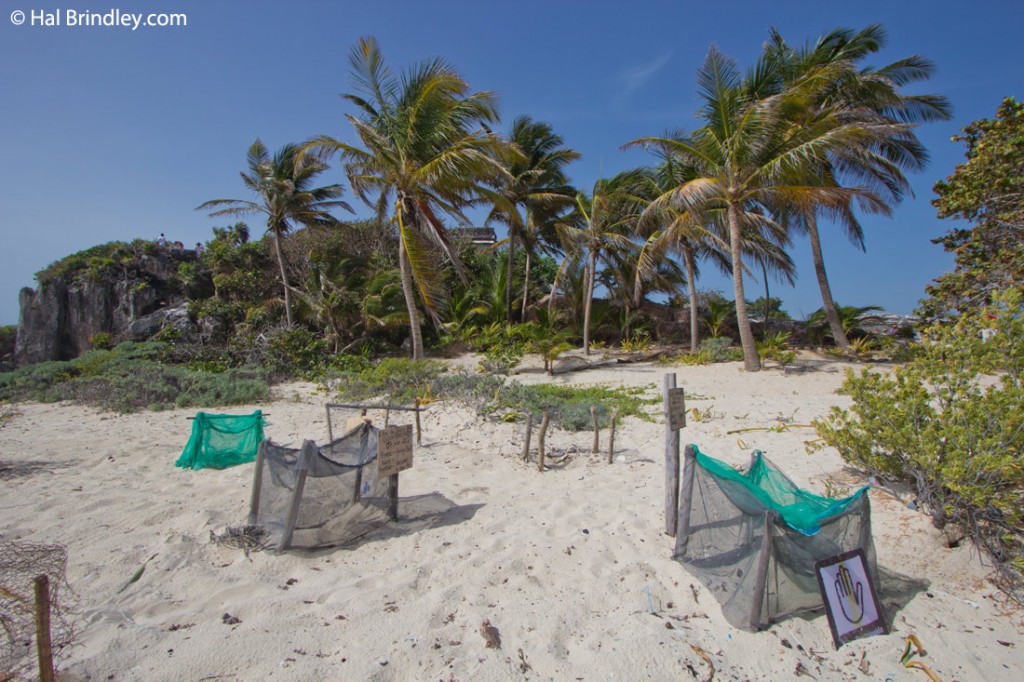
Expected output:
(571, 565)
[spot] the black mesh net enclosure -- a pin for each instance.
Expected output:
(752, 537)
(319, 496)
(21, 565)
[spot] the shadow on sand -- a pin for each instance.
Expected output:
(416, 513)
(11, 470)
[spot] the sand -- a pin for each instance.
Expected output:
(571, 566)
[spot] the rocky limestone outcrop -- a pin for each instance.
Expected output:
(58, 320)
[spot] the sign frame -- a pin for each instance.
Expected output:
(394, 450)
(852, 576)
(676, 408)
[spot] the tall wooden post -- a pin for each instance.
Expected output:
(611, 436)
(526, 437)
(44, 650)
(671, 462)
(393, 497)
(540, 439)
(330, 433)
(419, 440)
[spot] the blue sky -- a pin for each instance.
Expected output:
(111, 134)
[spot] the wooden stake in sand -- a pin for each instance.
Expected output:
(597, 433)
(540, 439)
(44, 650)
(671, 462)
(611, 436)
(419, 434)
(526, 437)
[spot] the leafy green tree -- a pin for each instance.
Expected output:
(532, 192)
(283, 185)
(771, 307)
(988, 191)
(951, 425)
(424, 154)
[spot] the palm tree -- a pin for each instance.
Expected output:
(749, 158)
(874, 96)
(600, 222)
(283, 185)
(424, 155)
(534, 189)
(674, 231)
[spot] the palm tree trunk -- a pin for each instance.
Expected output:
(526, 287)
(410, 302)
(691, 270)
(826, 292)
(589, 302)
(767, 301)
(284, 276)
(751, 360)
(508, 275)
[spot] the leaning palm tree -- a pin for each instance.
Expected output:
(533, 190)
(424, 155)
(680, 232)
(286, 197)
(749, 158)
(602, 221)
(873, 95)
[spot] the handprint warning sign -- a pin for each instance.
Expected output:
(849, 596)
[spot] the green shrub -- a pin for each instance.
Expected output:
(131, 377)
(401, 379)
(951, 424)
(720, 349)
(101, 341)
(638, 343)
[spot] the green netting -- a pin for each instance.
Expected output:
(800, 510)
(753, 537)
(219, 441)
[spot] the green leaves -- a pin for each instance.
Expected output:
(951, 424)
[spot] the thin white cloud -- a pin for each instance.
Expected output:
(636, 77)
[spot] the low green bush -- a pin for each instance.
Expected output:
(130, 377)
(951, 424)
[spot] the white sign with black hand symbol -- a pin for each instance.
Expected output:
(849, 596)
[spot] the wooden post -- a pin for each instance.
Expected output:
(330, 433)
(393, 497)
(526, 438)
(419, 438)
(597, 434)
(44, 649)
(671, 463)
(685, 502)
(611, 436)
(305, 461)
(761, 580)
(257, 478)
(540, 439)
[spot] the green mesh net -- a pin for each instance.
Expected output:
(752, 537)
(219, 441)
(800, 510)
